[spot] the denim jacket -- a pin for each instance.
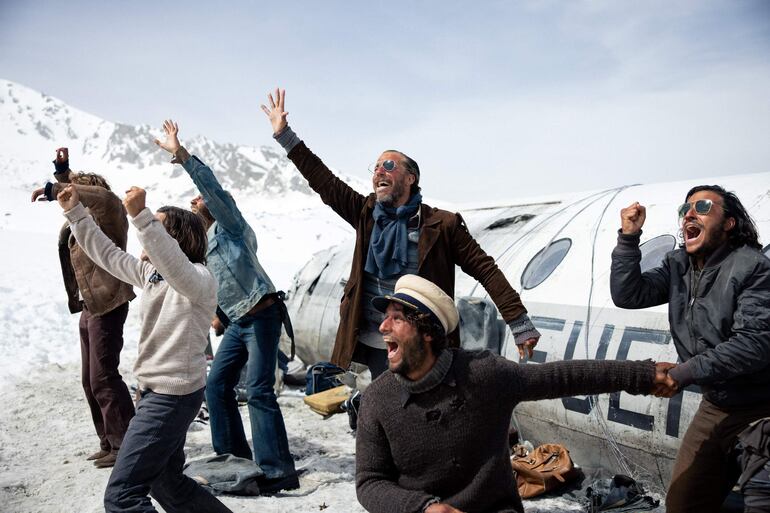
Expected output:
(232, 246)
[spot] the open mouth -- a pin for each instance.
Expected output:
(382, 184)
(394, 350)
(692, 233)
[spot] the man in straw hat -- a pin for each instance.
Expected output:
(433, 432)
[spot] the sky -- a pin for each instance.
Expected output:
(493, 99)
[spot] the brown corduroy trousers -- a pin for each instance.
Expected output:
(704, 471)
(101, 340)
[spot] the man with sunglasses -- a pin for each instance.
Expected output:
(396, 234)
(717, 286)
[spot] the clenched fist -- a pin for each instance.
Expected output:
(632, 218)
(134, 200)
(68, 198)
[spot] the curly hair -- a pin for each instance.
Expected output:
(187, 229)
(426, 326)
(84, 178)
(745, 231)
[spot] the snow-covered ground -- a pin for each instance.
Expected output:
(45, 427)
(46, 434)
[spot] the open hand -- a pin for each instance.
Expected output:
(632, 218)
(39, 195)
(527, 348)
(664, 385)
(276, 112)
(171, 144)
(68, 198)
(134, 201)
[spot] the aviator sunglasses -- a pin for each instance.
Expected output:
(702, 207)
(387, 165)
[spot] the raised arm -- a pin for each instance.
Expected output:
(629, 287)
(99, 248)
(192, 281)
(102, 204)
(343, 199)
(62, 173)
(472, 259)
(218, 201)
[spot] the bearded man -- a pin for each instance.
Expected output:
(433, 432)
(717, 286)
(396, 234)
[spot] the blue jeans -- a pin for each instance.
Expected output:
(251, 341)
(151, 457)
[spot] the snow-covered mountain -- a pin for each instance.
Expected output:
(289, 219)
(34, 124)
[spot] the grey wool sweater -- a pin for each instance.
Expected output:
(446, 435)
(176, 311)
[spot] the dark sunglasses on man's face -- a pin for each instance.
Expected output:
(702, 207)
(387, 165)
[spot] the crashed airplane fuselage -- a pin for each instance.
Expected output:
(556, 252)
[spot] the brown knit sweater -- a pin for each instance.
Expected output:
(446, 435)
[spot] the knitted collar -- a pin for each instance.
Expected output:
(433, 378)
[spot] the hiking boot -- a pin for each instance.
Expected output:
(269, 486)
(99, 454)
(107, 461)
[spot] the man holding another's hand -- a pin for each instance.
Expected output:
(433, 430)
(717, 286)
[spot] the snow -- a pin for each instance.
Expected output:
(45, 427)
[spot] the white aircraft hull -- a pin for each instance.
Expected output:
(572, 309)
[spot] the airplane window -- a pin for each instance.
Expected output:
(507, 221)
(544, 263)
(654, 250)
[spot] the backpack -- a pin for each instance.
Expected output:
(545, 468)
(322, 376)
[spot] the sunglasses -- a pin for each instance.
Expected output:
(701, 207)
(387, 165)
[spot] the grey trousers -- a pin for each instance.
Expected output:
(151, 459)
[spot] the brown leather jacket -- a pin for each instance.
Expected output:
(101, 291)
(444, 242)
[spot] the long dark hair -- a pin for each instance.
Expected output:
(745, 231)
(187, 229)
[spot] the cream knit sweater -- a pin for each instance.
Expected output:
(176, 311)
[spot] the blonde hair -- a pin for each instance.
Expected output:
(84, 178)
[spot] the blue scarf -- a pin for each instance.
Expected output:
(388, 254)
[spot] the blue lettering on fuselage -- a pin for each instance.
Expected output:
(629, 336)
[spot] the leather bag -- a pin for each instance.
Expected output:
(545, 468)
